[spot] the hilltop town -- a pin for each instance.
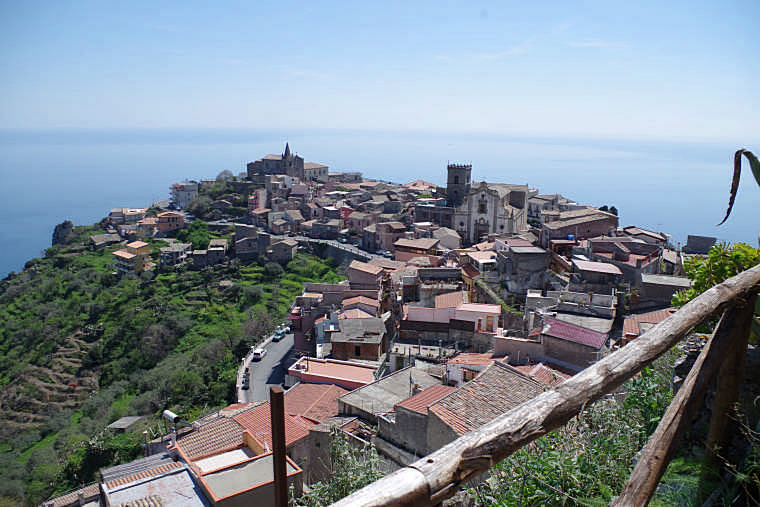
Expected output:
(460, 303)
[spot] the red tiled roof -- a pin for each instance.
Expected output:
(470, 271)
(631, 324)
(419, 183)
(219, 434)
(422, 400)
(355, 313)
(124, 254)
(367, 268)
(360, 299)
(90, 493)
(486, 245)
(543, 374)
(449, 300)
(259, 424)
(573, 333)
(316, 402)
(497, 389)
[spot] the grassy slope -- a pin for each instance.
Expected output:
(80, 348)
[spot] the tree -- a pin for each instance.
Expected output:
(273, 270)
(603, 208)
(225, 175)
(196, 233)
(722, 262)
(199, 206)
(614, 210)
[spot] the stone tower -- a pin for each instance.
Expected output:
(458, 183)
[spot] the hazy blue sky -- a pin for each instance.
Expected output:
(684, 69)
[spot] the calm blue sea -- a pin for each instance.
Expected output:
(48, 176)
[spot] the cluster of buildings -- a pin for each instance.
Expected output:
(471, 299)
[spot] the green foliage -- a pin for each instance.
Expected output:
(195, 233)
(352, 469)
(722, 262)
(273, 270)
(171, 342)
(225, 176)
(587, 461)
(199, 206)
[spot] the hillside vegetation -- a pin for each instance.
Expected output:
(80, 348)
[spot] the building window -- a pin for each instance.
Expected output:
(456, 180)
(482, 208)
(357, 350)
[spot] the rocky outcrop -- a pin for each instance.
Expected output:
(62, 231)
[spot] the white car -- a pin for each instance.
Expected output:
(258, 354)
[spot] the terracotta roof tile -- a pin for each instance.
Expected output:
(422, 400)
(449, 299)
(470, 271)
(496, 390)
(544, 374)
(90, 492)
(258, 423)
(316, 402)
(360, 299)
(631, 326)
(216, 435)
(367, 268)
(355, 313)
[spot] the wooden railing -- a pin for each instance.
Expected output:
(439, 475)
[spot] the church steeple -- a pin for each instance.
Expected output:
(287, 151)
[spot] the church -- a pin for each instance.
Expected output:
(287, 163)
(484, 208)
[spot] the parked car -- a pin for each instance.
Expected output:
(278, 335)
(258, 354)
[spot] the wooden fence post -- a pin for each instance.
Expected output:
(726, 394)
(663, 442)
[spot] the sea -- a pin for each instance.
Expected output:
(672, 186)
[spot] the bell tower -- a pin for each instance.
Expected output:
(457, 183)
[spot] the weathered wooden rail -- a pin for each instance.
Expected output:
(439, 475)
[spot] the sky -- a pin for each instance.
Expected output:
(643, 69)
